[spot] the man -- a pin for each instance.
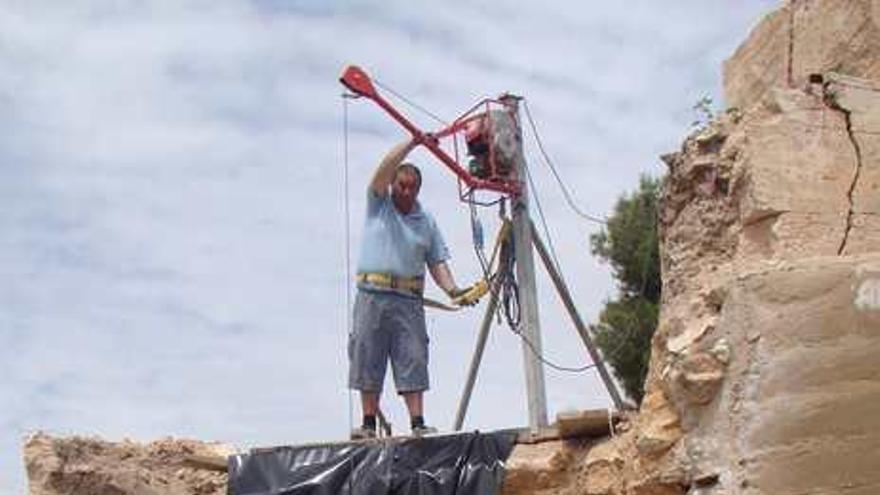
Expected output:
(400, 240)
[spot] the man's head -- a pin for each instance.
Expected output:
(405, 187)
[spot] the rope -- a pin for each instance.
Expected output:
(611, 423)
(552, 168)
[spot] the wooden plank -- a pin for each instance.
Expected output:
(593, 423)
(210, 463)
(543, 434)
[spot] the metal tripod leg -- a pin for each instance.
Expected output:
(384, 425)
(478, 352)
(576, 318)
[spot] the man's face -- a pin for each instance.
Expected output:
(404, 190)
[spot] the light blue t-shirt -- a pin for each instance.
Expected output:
(399, 244)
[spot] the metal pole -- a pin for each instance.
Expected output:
(565, 295)
(478, 353)
(529, 327)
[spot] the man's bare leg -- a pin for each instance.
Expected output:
(417, 420)
(370, 407)
(370, 403)
(413, 403)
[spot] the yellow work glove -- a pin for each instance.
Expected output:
(469, 296)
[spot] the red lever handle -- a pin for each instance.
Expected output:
(356, 80)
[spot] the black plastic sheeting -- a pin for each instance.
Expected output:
(460, 464)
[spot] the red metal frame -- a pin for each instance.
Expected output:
(357, 81)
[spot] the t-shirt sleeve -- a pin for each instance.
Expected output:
(437, 251)
(374, 202)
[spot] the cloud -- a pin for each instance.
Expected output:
(171, 175)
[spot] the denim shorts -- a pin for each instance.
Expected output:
(388, 326)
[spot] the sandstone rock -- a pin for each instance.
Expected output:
(604, 464)
(659, 426)
(760, 62)
(814, 392)
(804, 37)
(721, 351)
(769, 284)
(697, 377)
(80, 466)
(537, 467)
(689, 334)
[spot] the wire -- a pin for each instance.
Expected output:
(550, 247)
(509, 285)
(552, 168)
(412, 103)
(511, 308)
(552, 250)
(348, 277)
(567, 369)
(477, 229)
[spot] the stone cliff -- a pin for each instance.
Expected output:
(763, 374)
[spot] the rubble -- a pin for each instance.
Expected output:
(80, 465)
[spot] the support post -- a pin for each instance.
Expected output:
(529, 326)
(478, 353)
(565, 295)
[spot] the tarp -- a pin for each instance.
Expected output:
(460, 464)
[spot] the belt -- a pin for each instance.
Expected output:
(388, 281)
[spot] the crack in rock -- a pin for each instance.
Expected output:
(831, 101)
(790, 62)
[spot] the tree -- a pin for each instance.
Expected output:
(629, 243)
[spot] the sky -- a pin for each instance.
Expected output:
(173, 196)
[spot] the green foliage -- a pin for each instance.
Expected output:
(624, 334)
(630, 245)
(705, 112)
(629, 242)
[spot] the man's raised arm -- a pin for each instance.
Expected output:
(385, 172)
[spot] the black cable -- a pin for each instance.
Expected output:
(546, 361)
(511, 308)
(552, 168)
(509, 286)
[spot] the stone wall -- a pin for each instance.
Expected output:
(763, 371)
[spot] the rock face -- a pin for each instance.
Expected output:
(792, 226)
(89, 466)
(802, 38)
(770, 325)
(763, 375)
